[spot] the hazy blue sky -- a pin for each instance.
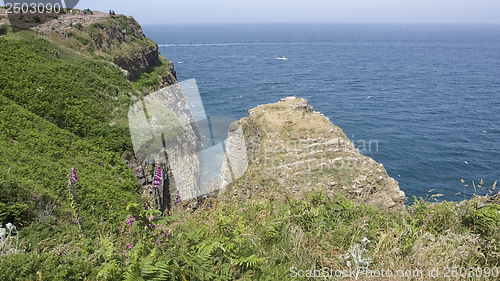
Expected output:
(379, 11)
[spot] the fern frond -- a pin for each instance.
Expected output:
(249, 262)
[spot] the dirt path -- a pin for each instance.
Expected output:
(61, 24)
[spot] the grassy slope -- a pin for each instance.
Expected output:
(36, 155)
(76, 93)
(55, 113)
(263, 239)
(61, 109)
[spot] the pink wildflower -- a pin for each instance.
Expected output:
(158, 177)
(178, 197)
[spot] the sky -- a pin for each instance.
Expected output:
(346, 11)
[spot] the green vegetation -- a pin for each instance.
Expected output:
(78, 94)
(262, 240)
(66, 108)
(149, 79)
(3, 29)
(36, 156)
(62, 108)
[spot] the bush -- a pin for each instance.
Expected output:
(16, 204)
(75, 93)
(484, 221)
(45, 266)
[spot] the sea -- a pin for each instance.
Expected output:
(427, 97)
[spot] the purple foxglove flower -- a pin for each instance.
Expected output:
(158, 173)
(75, 179)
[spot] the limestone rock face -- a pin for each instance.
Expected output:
(286, 148)
(168, 137)
(132, 51)
(235, 158)
(293, 148)
(138, 62)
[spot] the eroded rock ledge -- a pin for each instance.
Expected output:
(293, 149)
(119, 39)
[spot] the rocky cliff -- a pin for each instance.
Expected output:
(284, 147)
(293, 149)
(118, 39)
(167, 137)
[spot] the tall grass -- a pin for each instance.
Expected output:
(264, 238)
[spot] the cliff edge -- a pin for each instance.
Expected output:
(118, 39)
(291, 149)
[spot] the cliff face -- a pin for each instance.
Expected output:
(138, 62)
(118, 39)
(284, 149)
(168, 137)
(292, 150)
(123, 39)
(284, 146)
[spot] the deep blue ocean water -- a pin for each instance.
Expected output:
(428, 94)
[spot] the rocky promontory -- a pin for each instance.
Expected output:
(118, 39)
(285, 149)
(293, 149)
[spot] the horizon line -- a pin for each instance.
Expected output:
(323, 22)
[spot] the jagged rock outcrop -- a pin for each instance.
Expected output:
(136, 63)
(120, 38)
(125, 30)
(235, 158)
(169, 137)
(286, 148)
(169, 78)
(293, 149)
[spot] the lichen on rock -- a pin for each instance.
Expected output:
(293, 149)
